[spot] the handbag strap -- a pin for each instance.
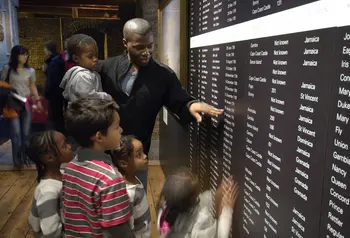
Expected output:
(7, 79)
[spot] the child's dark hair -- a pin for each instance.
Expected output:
(179, 193)
(125, 152)
(76, 42)
(87, 116)
(39, 145)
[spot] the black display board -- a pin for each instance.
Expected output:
(280, 69)
(209, 15)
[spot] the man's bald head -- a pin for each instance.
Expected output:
(138, 41)
(138, 26)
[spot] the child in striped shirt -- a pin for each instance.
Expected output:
(95, 202)
(48, 150)
(129, 159)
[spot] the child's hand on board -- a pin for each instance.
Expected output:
(230, 193)
(218, 198)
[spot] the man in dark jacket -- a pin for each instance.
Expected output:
(142, 86)
(53, 93)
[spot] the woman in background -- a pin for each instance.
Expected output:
(22, 78)
(55, 71)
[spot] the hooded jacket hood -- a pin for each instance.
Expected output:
(79, 82)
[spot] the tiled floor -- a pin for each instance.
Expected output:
(16, 193)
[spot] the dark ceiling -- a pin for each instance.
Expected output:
(76, 2)
(126, 9)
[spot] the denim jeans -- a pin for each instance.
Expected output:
(20, 130)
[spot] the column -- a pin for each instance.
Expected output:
(215, 135)
(204, 126)
(193, 15)
(218, 12)
(276, 136)
(257, 93)
(312, 77)
(230, 97)
(193, 127)
(336, 206)
(231, 13)
(205, 15)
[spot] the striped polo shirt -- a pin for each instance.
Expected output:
(141, 216)
(44, 217)
(94, 195)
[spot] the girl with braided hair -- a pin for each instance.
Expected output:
(48, 150)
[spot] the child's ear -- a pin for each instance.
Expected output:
(98, 137)
(75, 58)
(123, 164)
(50, 158)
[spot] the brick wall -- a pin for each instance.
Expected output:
(34, 32)
(113, 29)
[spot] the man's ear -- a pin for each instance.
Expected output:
(125, 43)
